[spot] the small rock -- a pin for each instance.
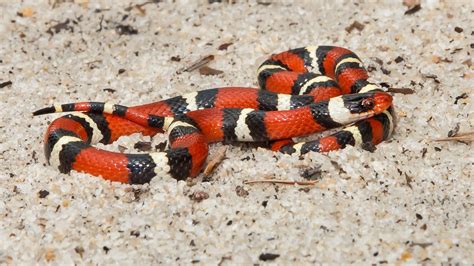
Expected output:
(458, 29)
(398, 59)
(241, 192)
(43, 194)
(199, 196)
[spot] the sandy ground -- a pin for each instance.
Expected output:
(409, 201)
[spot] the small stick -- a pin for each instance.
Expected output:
(401, 90)
(284, 182)
(464, 134)
(468, 136)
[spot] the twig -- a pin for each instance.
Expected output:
(284, 182)
(468, 136)
(401, 90)
(100, 23)
(140, 6)
(201, 62)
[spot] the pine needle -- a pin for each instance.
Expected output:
(284, 182)
(468, 136)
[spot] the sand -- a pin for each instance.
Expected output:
(410, 201)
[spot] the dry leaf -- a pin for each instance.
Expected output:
(83, 3)
(49, 255)
(355, 25)
(142, 146)
(406, 255)
(215, 161)
(468, 75)
(467, 62)
(411, 3)
(207, 71)
(26, 12)
(199, 63)
(435, 59)
(224, 46)
(413, 6)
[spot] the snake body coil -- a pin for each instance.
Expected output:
(302, 91)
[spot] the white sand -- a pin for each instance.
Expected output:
(409, 201)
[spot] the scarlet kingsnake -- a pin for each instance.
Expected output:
(303, 91)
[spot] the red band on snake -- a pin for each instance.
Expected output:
(302, 91)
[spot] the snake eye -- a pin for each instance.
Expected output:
(368, 103)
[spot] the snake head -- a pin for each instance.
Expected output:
(350, 108)
(368, 102)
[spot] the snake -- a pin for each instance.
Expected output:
(301, 91)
